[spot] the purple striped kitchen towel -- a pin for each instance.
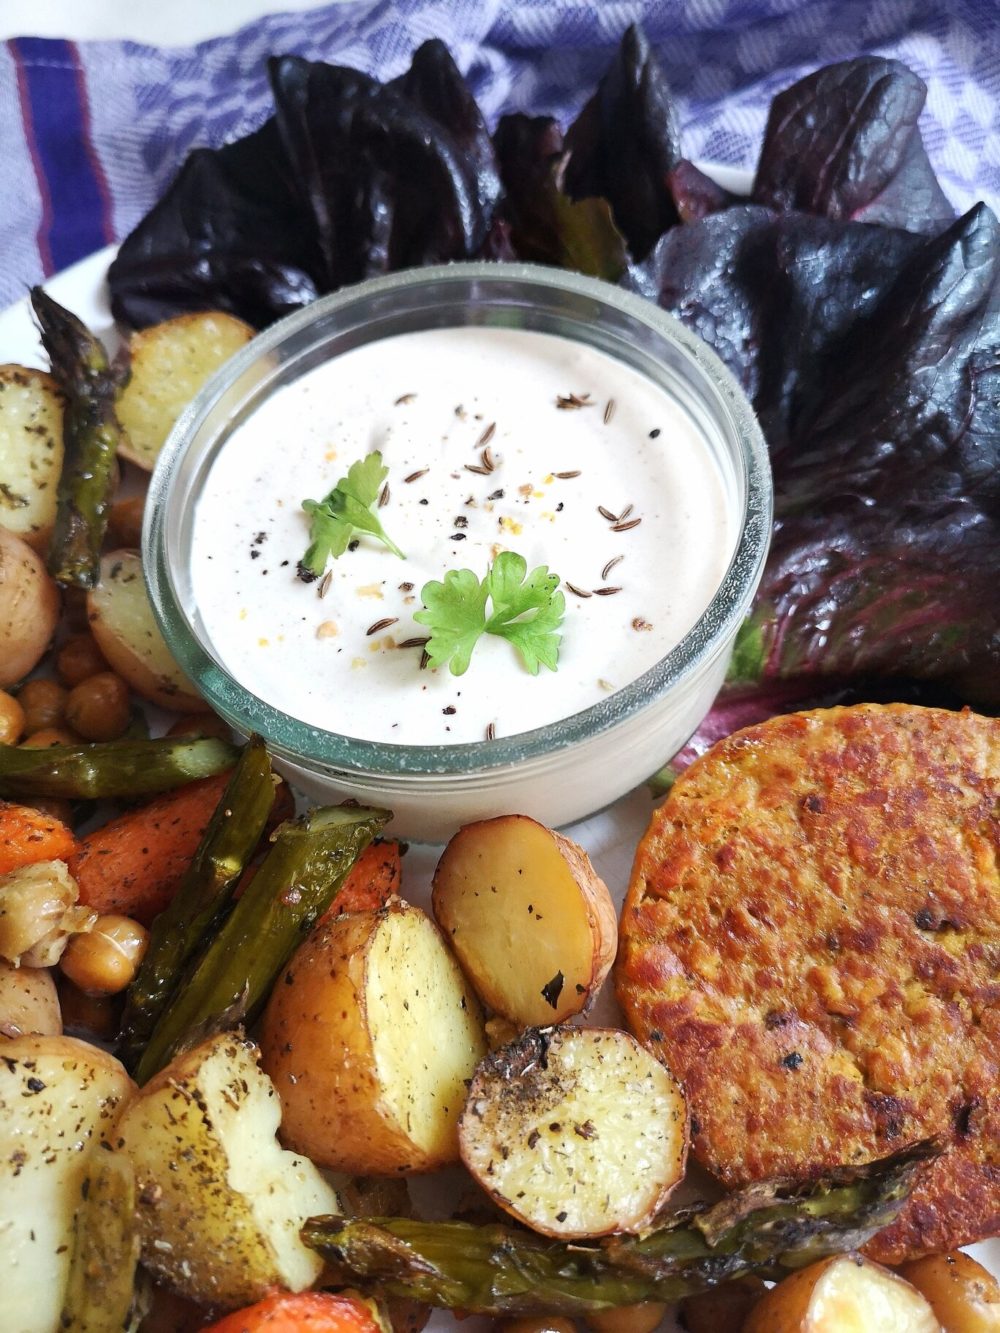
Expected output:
(91, 133)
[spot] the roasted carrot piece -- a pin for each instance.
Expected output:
(134, 864)
(28, 836)
(308, 1312)
(374, 878)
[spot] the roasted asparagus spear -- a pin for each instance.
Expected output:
(111, 768)
(768, 1230)
(295, 884)
(90, 435)
(204, 895)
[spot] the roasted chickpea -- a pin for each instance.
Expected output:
(78, 659)
(125, 523)
(104, 961)
(49, 736)
(93, 1016)
(44, 704)
(98, 708)
(11, 719)
(642, 1318)
(201, 725)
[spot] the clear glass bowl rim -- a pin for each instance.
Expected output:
(301, 742)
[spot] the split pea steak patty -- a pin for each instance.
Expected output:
(811, 942)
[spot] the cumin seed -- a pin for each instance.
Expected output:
(425, 658)
(380, 625)
(487, 459)
(606, 513)
(491, 731)
(415, 476)
(624, 514)
(404, 398)
(567, 401)
(413, 643)
(383, 496)
(578, 592)
(615, 560)
(324, 583)
(606, 592)
(626, 527)
(487, 435)
(609, 411)
(480, 471)
(566, 476)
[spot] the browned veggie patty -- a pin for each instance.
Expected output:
(811, 942)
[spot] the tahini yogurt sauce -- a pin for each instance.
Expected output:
(495, 439)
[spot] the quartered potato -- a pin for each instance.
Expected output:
(220, 1202)
(963, 1294)
(532, 923)
(575, 1131)
(29, 608)
(59, 1098)
(31, 452)
(29, 1001)
(845, 1294)
(169, 363)
(122, 622)
(370, 1036)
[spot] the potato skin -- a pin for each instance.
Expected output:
(31, 452)
(122, 622)
(318, 1047)
(806, 1302)
(807, 941)
(962, 1293)
(29, 608)
(29, 1002)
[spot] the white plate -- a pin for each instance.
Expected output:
(610, 837)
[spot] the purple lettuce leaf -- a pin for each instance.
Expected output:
(844, 143)
(546, 225)
(389, 184)
(624, 144)
(696, 195)
(229, 234)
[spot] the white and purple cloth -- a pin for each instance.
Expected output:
(91, 133)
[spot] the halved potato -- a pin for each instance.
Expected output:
(370, 1036)
(122, 622)
(29, 608)
(220, 1203)
(169, 363)
(962, 1294)
(31, 452)
(532, 923)
(58, 1097)
(29, 1001)
(845, 1294)
(575, 1131)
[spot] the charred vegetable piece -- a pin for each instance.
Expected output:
(769, 1230)
(844, 143)
(203, 895)
(110, 768)
(101, 1283)
(296, 883)
(91, 436)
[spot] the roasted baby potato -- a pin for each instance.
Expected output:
(845, 1294)
(962, 1294)
(122, 622)
(29, 608)
(169, 363)
(31, 452)
(370, 1036)
(220, 1203)
(58, 1097)
(29, 1001)
(532, 924)
(575, 1131)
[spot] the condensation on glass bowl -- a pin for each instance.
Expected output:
(557, 773)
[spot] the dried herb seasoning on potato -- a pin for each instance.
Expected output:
(531, 921)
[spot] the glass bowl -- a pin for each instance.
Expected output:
(556, 773)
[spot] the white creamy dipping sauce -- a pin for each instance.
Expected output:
(615, 490)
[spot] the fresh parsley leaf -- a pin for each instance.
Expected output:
(526, 611)
(334, 520)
